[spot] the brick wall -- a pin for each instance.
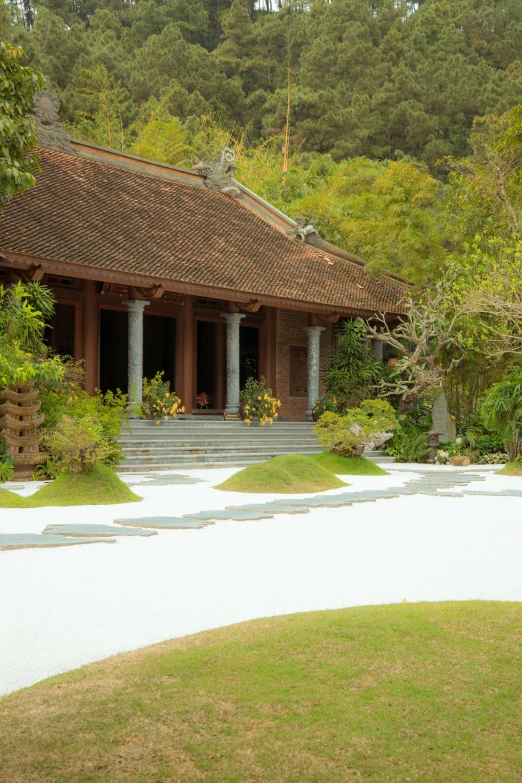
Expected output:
(291, 331)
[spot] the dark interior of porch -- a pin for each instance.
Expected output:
(159, 346)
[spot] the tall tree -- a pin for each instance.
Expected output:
(18, 85)
(243, 53)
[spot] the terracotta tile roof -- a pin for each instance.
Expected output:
(99, 214)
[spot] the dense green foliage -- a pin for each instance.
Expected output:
(502, 411)
(23, 354)
(18, 84)
(349, 433)
(384, 79)
(353, 372)
(81, 429)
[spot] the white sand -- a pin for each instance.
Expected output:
(63, 608)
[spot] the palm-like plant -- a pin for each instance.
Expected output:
(353, 368)
(502, 411)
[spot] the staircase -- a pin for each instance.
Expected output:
(194, 443)
(379, 457)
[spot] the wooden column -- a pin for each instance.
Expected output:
(270, 348)
(90, 335)
(186, 374)
(219, 367)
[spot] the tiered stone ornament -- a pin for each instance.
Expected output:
(19, 428)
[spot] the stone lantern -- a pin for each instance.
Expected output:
(433, 444)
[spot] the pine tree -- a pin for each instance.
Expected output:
(243, 53)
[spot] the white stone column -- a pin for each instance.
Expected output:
(233, 321)
(135, 393)
(314, 355)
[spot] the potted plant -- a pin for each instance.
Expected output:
(159, 403)
(258, 405)
(203, 400)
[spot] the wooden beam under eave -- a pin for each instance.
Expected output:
(84, 272)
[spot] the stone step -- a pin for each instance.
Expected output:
(218, 441)
(281, 448)
(216, 426)
(195, 461)
(235, 453)
(146, 467)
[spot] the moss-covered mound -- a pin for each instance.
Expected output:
(511, 469)
(421, 692)
(348, 466)
(11, 500)
(99, 486)
(287, 474)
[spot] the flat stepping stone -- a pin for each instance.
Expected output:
(163, 523)
(507, 493)
(93, 530)
(238, 516)
(435, 494)
(37, 540)
(165, 481)
(272, 508)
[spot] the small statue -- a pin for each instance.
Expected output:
(300, 231)
(219, 173)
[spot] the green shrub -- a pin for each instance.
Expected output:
(348, 434)
(502, 411)
(408, 444)
(77, 444)
(65, 397)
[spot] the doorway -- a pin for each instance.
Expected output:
(248, 353)
(159, 346)
(59, 332)
(205, 363)
(113, 350)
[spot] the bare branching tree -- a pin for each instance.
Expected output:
(429, 343)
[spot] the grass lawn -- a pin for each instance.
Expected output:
(98, 486)
(286, 474)
(411, 692)
(511, 469)
(11, 500)
(348, 466)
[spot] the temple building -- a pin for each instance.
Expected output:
(155, 267)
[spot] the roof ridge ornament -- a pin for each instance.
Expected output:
(48, 126)
(300, 231)
(219, 172)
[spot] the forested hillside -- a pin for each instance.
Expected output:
(341, 110)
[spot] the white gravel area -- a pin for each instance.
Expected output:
(63, 608)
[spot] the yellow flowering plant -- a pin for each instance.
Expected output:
(158, 401)
(258, 402)
(166, 407)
